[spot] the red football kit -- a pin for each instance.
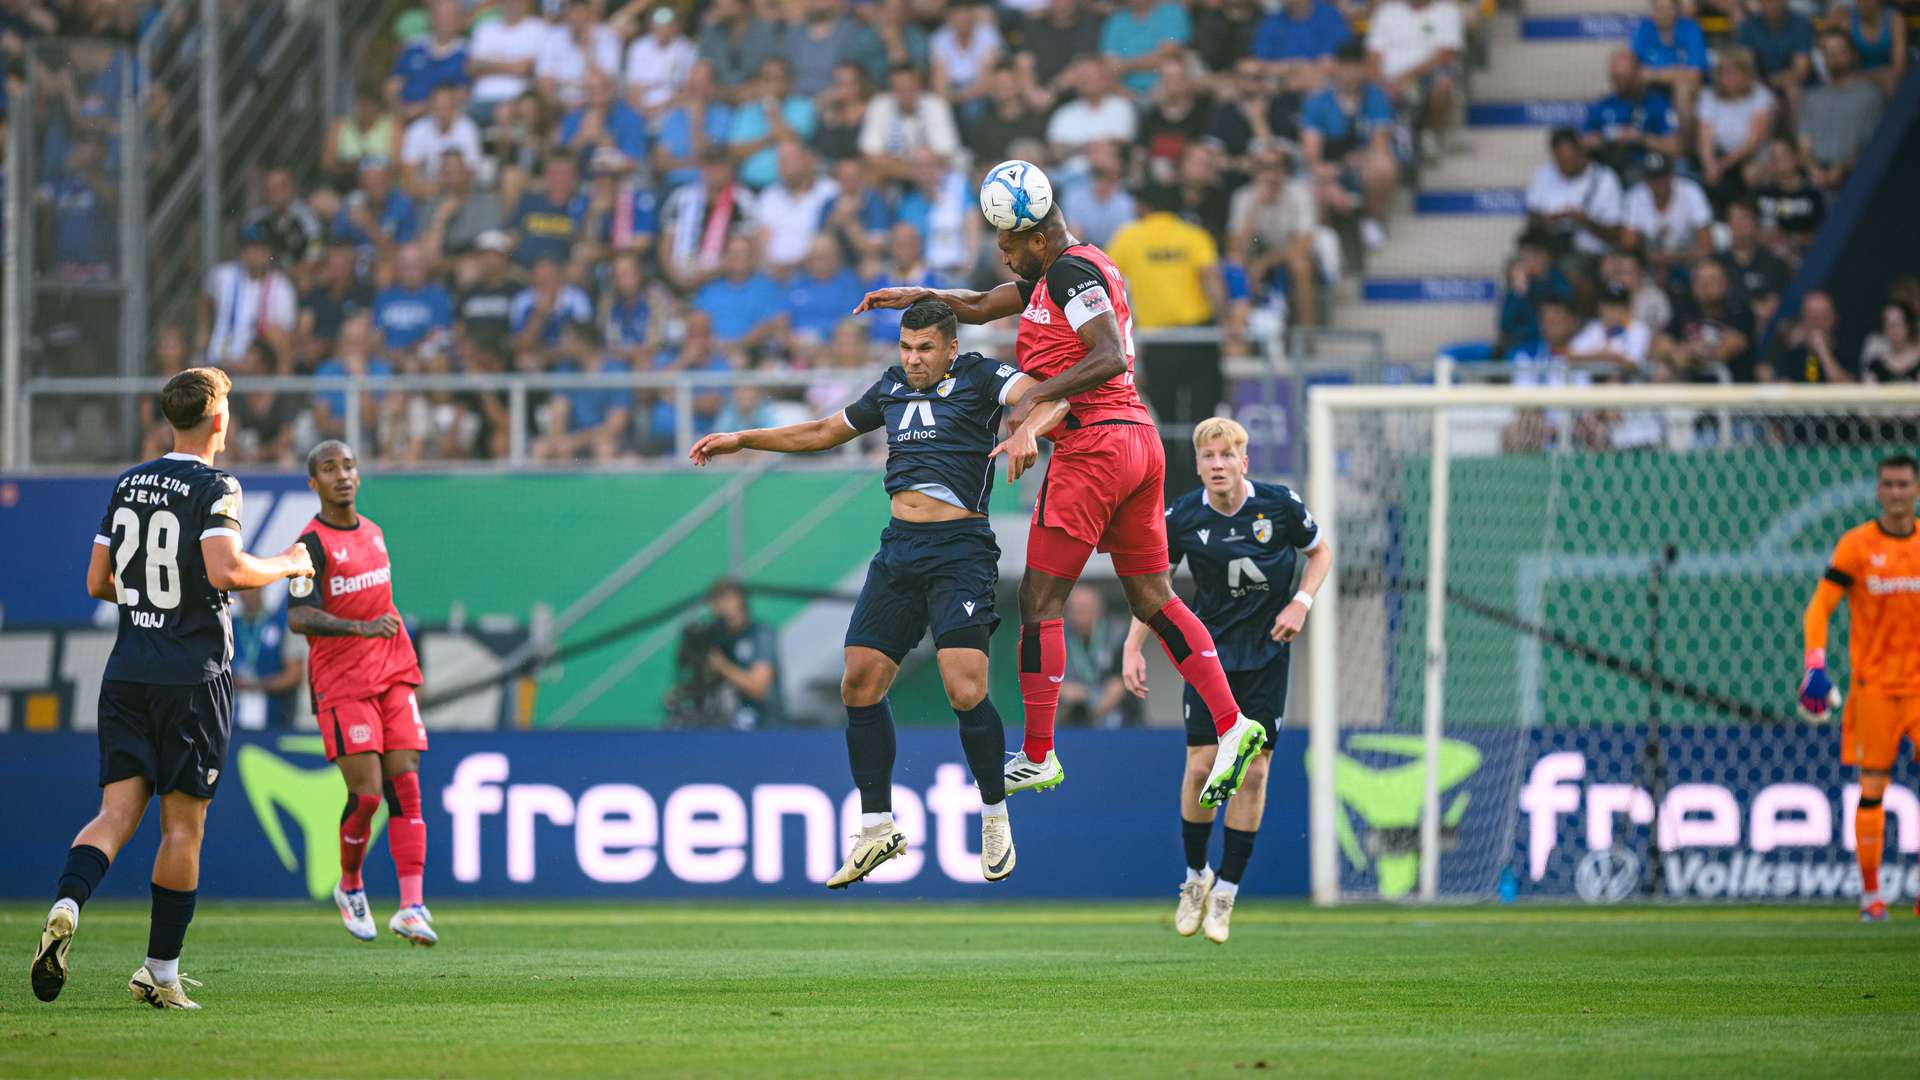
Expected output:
(363, 687)
(1104, 489)
(1104, 484)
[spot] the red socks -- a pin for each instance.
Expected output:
(1043, 664)
(356, 822)
(1190, 647)
(1869, 829)
(407, 835)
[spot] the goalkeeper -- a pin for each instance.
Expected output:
(1876, 568)
(1241, 539)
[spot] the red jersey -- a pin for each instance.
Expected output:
(353, 579)
(1080, 285)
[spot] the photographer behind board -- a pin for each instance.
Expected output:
(728, 668)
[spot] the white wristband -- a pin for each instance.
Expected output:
(1304, 599)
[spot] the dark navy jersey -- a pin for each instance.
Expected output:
(173, 623)
(1243, 566)
(938, 439)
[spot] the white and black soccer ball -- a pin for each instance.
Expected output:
(1015, 195)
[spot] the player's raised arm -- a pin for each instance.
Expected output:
(968, 305)
(810, 437)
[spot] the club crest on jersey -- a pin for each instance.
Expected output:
(945, 387)
(1262, 530)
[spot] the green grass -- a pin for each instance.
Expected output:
(973, 990)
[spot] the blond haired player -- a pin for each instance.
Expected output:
(1243, 540)
(1876, 568)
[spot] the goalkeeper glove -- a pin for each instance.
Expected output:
(1816, 690)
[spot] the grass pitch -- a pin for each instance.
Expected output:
(969, 990)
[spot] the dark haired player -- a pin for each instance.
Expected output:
(1876, 570)
(1103, 488)
(167, 552)
(937, 567)
(1240, 537)
(363, 674)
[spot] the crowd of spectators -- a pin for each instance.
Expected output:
(598, 186)
(1663, 232)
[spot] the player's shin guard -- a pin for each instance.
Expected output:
(1869, 834)
(1190, 647)
(407, 836)
(1239, 849)
(1043, 666)
(86, 865)
(870, 748)
(356, 828)
(172, 913)
(984, 740)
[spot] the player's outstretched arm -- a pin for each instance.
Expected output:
(228, 567)
(1022, 447)
(968, 305)
(810, 437)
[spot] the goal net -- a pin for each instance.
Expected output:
(1559, 652)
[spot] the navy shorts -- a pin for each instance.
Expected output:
(1261, 695)
(175, 736)
(939, 576)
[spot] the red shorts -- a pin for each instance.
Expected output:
(1105, 489)
(390, 720)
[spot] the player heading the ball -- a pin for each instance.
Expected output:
(937, 568)
(1103, 488)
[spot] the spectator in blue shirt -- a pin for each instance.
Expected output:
(547, 221)
(1532, 278)
(697, 118)
(375, 218)
(698, 352)
(81, 199)
(1781, 41)
(586, 423)
(768, 113)
(860, 214)
(906, 264)
(412, 309)
(438, 58)
(1347, 138)
(1297, 43)
(604, 125)
(353, 355)
(743, 304)
(822, 291)
(1632, 120)
(1137, 37)
(1880, 38)
(545, 307)
(1673, 50)
(628, 318)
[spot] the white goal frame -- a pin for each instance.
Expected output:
(1327, 406)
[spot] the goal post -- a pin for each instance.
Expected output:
(1520, 570)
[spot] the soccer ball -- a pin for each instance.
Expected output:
(1015, 195)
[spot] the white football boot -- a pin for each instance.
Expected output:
(1219, 914)
(996, 847)
(415, 924)
(1022, 774)
(169, 995)
(50, 960)
(1237, 747)
(1193, 903)
(355, 912)
(871, 847)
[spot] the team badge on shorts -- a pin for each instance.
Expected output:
(1262, 530)
(359, 733)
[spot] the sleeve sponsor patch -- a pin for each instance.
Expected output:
(227, 505)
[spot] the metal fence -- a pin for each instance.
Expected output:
(90, 421)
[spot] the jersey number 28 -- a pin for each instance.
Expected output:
(163, 557)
